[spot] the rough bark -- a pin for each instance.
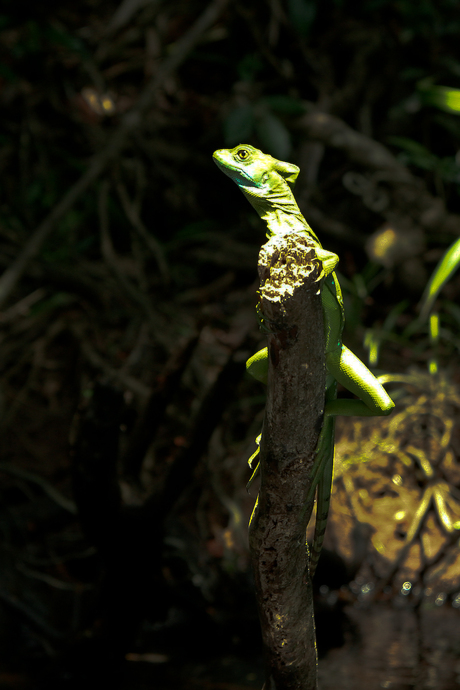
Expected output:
(291, 308)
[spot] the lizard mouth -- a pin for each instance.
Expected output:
(226, 164)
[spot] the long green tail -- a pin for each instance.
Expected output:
(322, 481)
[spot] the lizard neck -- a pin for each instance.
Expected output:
(278, 220)
(280, 212)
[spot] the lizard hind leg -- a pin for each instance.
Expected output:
(325, 460)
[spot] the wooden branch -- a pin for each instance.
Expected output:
(43, 483)
(360, 149)
(129, 123)
(291, 306)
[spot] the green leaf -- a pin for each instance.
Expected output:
(451, 124)
(285, 104)
(410, 145)
(59, 299)
(449, 169)
(390, 321)
(249, 66)
(415, 153)
(63, 38)
(7, 73)
(373, 5)
(273, 135)
(409, 73)
(452, 65)
(302, 13)
(442, 97)
(239, 125)
(443, 271)
(30, 41)
(372, 342)
(195, 232)
(454, 311)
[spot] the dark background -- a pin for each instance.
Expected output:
(126, 417)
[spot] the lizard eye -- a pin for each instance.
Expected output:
(242, 154)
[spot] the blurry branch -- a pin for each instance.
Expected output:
(130, 538)
(114, 375)
(331, 226)
(84, 281)
(136, 221)
(282, 67)
(37, 356)
(129, 123)
(206, 293)
(31, 616)
(94, 453)
(22, 307)
(48, 488)
(14, 273)
(360, 149)
(180, 474)
(124, 12)
(53, 581)
(111, 259)
(356, 83)
(155, 409)
(310, 154)
(408, 189)
(218, 398)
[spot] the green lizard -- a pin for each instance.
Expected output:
(267, 184)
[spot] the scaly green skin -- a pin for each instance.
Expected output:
(267, 184)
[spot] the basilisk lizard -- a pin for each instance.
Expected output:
(267, 184)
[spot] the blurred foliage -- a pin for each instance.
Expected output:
(441, 97)
(259, 119)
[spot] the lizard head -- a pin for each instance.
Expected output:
(253, 170)
(267, 184)
(265, 181)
